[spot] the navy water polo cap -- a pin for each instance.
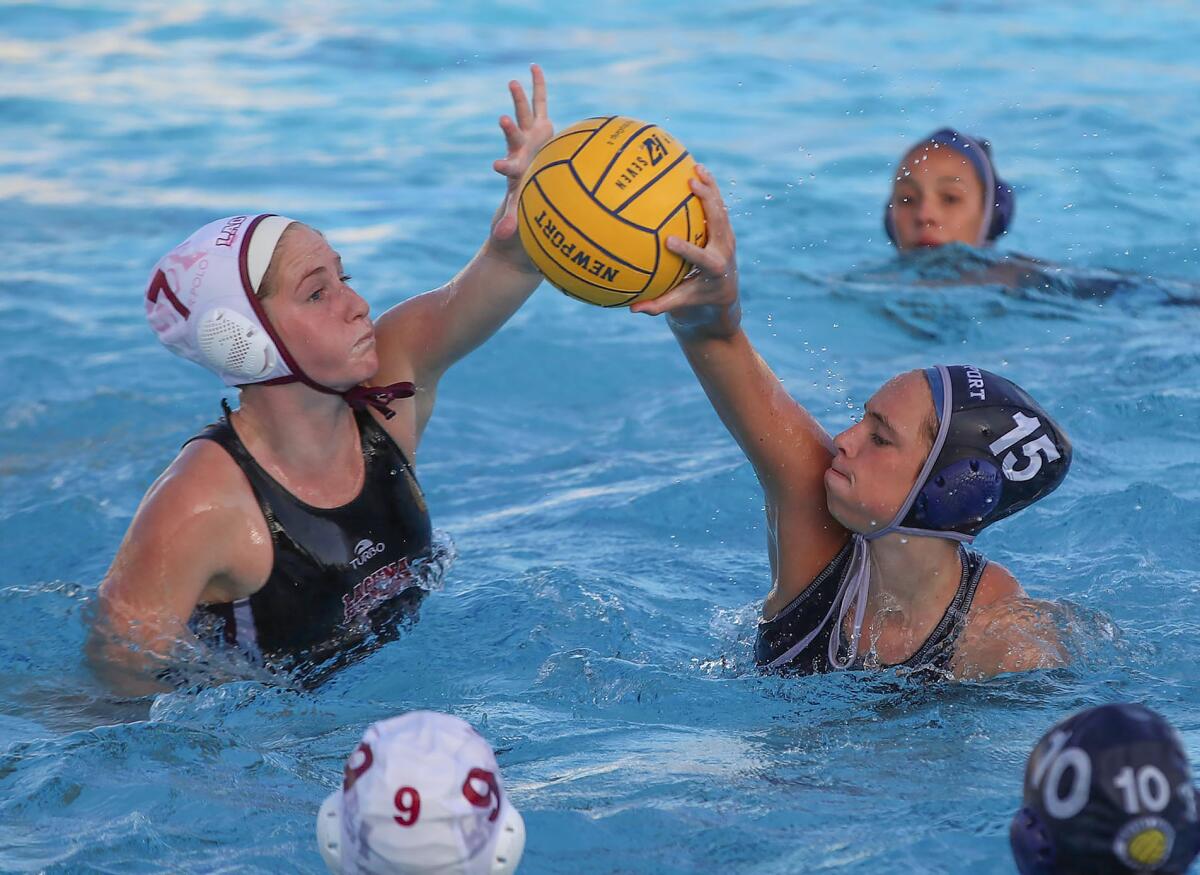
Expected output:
(999, 201)
(997, 451)
(1109, 790)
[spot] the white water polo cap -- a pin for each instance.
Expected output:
(421, 794)
(202, 302)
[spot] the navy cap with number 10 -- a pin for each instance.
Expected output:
(1109, 790)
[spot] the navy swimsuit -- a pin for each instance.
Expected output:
(337, 571)
(781, 634)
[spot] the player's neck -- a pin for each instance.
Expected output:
(913, 574)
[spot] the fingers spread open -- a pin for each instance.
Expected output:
(513, 137)
(520, 104)
(539, 92)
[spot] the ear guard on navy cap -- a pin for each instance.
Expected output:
(1032, 845)
(999, 209)
(997, 452)
(1108, 790)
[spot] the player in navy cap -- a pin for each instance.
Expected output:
(1108, 790)
(946, 190)
(868, 530)
(421, 795)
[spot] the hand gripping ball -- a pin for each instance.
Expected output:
(598, 204)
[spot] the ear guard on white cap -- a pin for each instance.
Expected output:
(510, 846)
(329, 831)
(202, 304)
(235, 345)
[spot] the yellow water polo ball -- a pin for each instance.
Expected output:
(598, 204)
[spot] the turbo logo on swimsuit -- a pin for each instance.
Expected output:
(364, 550)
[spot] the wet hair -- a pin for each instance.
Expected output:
(930, 426)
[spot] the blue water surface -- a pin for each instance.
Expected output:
(597, 623)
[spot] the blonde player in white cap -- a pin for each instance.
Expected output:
(421, 794)
(293, 524)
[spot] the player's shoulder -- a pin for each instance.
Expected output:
(202, 484)
(997, 585)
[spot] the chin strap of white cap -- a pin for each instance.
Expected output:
(258, 247)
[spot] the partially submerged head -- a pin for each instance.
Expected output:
(262, 300)
(946, 190)
(1108, 790)
(944, 452)
(421, 793)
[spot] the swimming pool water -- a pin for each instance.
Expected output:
(597, 623)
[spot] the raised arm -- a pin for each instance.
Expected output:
(422, 337)
(789, 450)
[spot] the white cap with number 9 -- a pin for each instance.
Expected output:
(422, 793)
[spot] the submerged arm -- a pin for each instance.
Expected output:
(173, 550)
(1008, 635)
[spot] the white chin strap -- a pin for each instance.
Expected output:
(853, 592)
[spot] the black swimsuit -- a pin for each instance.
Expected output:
(334, 569)
(787, 629)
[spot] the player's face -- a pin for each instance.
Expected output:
(937, 198)
(324, 323)
(879, 457)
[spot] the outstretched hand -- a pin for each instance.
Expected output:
(706, 303)
(524, 136)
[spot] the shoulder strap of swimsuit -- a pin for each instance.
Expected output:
(222, 433)
(939, 646)
(375, 434)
